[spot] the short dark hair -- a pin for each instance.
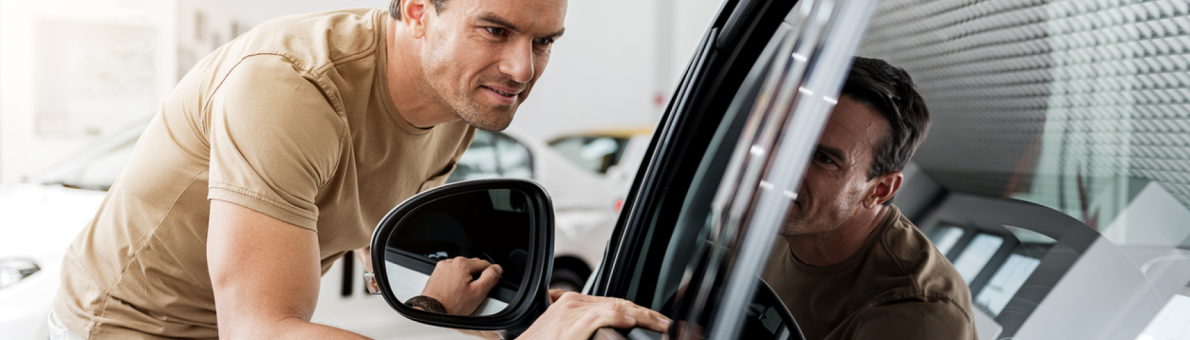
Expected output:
(394, 7)
(889, 91)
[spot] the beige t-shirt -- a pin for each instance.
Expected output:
(896, 286)
(294, 120)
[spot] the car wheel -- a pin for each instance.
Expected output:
(567, 279)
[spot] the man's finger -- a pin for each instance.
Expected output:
(473, 265)
(488, 279)
(555, 294)
(599, 317)
(644, 317)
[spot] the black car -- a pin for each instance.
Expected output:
(1056, 176)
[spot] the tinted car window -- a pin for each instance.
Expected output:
(692, 231)
(690, 236)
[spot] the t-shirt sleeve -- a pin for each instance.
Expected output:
(275, 140)
(940, 320)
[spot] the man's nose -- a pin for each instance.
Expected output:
(518, 62)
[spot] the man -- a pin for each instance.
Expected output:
(850, 265)
(282, 150)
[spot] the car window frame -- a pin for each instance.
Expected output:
(706, 89)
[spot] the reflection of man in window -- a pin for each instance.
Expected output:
(851, 266)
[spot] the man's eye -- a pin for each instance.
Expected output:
(495, 30)
(544, 41)
(822, 157)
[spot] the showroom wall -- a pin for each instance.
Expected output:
(73, 72)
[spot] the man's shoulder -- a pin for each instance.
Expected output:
(905, 244)
(938, 319)
(316, 40)
(909, 252)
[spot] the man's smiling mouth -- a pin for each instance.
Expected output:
(502, 93)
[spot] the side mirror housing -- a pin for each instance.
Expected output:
(509, 222)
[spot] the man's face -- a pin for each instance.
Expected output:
(481, 58)
(837, 181)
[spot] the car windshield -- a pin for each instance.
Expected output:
(595, 153)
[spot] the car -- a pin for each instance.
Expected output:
(1056, 177)
(600, 150)
(40, 217)
(613, 153)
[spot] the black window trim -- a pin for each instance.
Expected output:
(704, 89)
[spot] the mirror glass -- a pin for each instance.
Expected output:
(492, 225)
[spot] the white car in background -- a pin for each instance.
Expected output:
(40, 217)
(615, 154)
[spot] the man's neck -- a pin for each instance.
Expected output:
(835, 246)
(406, 81)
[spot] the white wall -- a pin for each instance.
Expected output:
(614, 64)
(87, 99)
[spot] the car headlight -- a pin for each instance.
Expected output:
(15, 270)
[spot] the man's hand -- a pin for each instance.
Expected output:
(451, 283)
(577, 316)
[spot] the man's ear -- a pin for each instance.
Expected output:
(413, 16)
(883, 188)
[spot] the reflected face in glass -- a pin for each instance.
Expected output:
(836, 181)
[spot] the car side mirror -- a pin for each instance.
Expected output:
(509, 222)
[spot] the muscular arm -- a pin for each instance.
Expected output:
(265, 274)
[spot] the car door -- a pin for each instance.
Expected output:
(1057, 161)
(700, 219)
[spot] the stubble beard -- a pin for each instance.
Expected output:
(462, 102)
(792, 227)
(497, 119)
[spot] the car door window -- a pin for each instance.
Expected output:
(689, 263)
(1057, 162)
(656, 280)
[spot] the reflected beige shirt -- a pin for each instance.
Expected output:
(896, 286)
(294, 120)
